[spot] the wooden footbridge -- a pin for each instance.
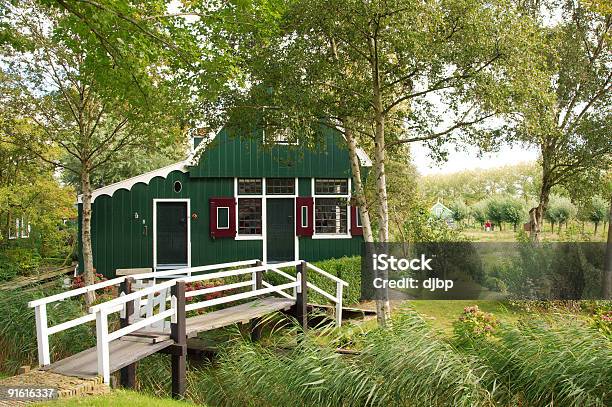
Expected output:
(153, 311)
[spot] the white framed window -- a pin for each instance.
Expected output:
(304, 216)
(358, 217)
(14, 229)
(250, 186)
(280, 186)
(331, 216)
(20, 229)
(26, 228)
(331, 186)
(223, 217)
(249, 216)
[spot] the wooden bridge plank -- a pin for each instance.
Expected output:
(239, 313)
(122, 353)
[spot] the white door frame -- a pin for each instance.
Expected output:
(188, 217)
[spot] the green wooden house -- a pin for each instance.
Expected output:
(232, 199)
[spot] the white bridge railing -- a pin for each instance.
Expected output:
(148, 305)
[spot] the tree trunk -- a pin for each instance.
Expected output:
(383, 307)
(360, 196)
(607, 274)
(536, 215)
(596, 225)
(88, 269)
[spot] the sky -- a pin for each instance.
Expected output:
(467, 160)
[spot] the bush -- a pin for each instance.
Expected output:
(18, 261)
(346, 268)
(474, 323)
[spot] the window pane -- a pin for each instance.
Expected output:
(304, 216)
(249, 186)
(249, 216)
(280, 186)
(223, 217)
(331, 186)
(330, 215)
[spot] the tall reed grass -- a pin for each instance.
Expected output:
(18, 328)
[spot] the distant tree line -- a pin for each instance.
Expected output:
(504, 209)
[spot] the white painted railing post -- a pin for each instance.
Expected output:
(42, 336)
(338, 304)
(103, 345)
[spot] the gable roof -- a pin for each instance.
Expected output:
(183, 166)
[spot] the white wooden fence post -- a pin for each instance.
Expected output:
(42, 337)
(103, 345)
(338, 304)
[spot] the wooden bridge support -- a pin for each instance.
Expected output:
(128, 373)
(301, 303)
(256, 323)
(178, 333)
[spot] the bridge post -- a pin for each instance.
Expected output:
(256, 323)
(178, 333)
(128, 373)
(301, 300)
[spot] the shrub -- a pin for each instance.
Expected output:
(16, 261)
(474, 323)
(346, 268)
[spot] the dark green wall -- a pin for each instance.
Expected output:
(119, 240)
(243, 156)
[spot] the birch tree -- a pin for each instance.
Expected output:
(384, 73)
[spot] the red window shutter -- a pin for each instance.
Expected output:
(226, 226)
(304, 227)
(356, 230)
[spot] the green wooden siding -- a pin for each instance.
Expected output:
(246, 156)
(119, 240)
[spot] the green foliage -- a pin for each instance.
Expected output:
(602, 322)
(474, 324)
(496, 211)
(420, 226)
(346, 268)
(460, 210)
(474, 185)
(17, 260)
(479, 212)
(560, 210)
(18, 333)
(407, 356)
(541, 362)
(598, 210)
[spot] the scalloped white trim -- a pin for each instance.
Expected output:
(145, 178)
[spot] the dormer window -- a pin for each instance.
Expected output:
(282, 136)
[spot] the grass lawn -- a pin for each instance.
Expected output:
(508, 234)
(118, 398)
(442, 314)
